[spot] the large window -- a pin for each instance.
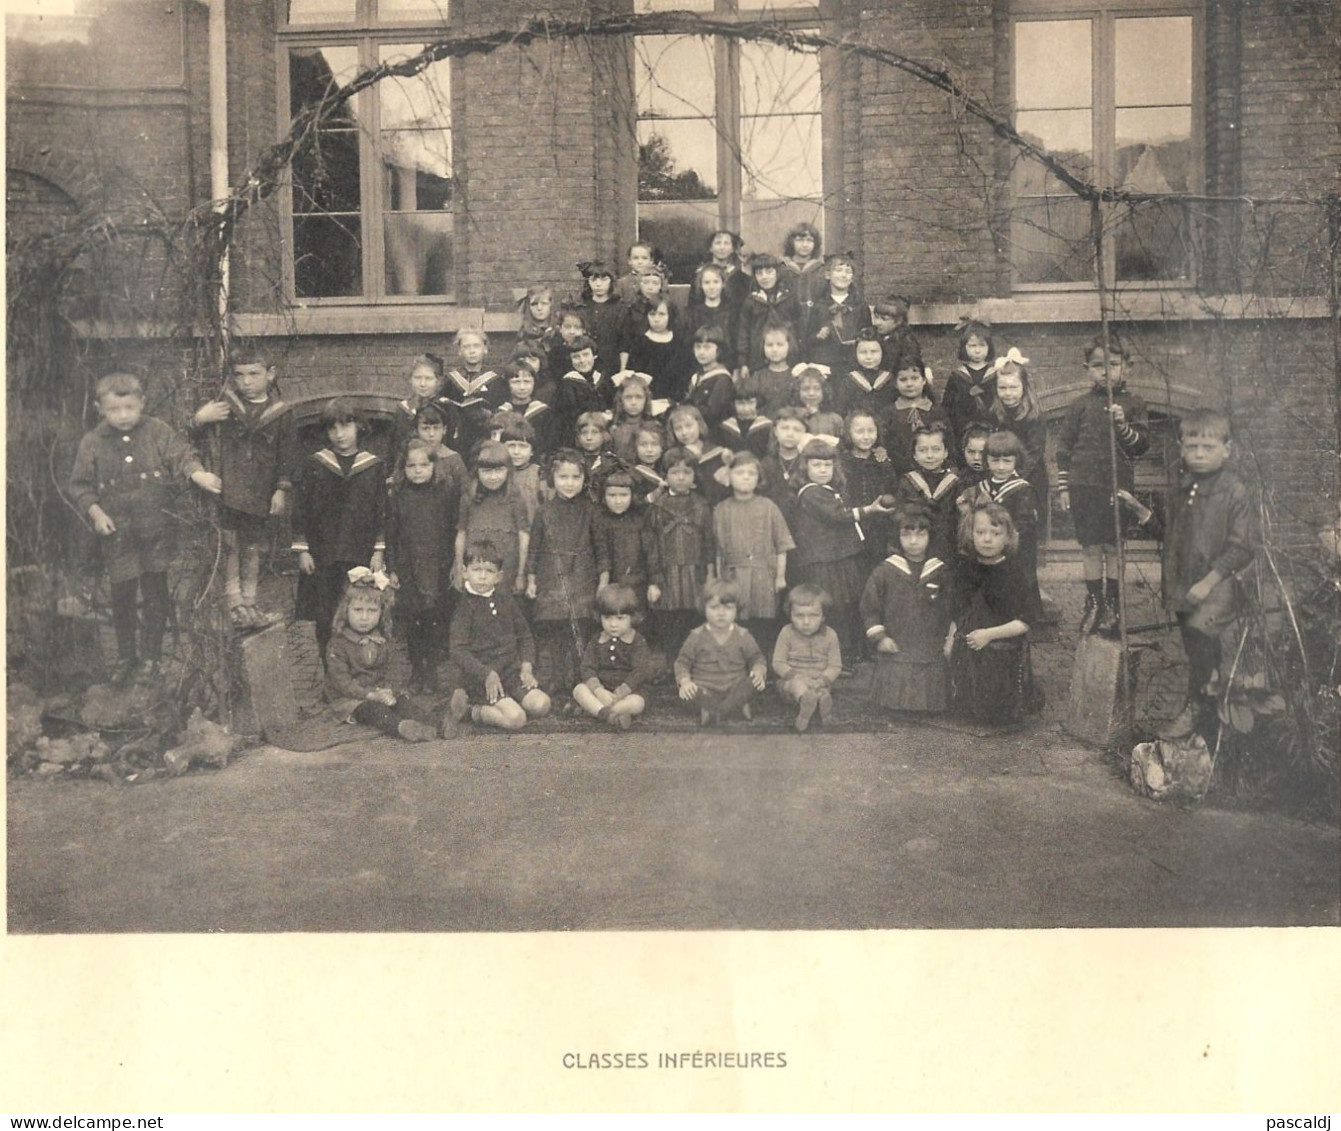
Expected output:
(371, 202)
(729, 133)
(1114, 91)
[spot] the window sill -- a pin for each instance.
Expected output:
(1129, 306)
(388, 319)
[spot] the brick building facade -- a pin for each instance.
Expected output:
(537, 167)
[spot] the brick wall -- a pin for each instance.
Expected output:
(548, 164)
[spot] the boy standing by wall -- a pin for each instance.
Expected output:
(253, 447)
(121, 480)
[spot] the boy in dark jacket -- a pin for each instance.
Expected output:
(121, 480)
(1211, 539)
(492, 649)
(1085, 473)
(250, 442)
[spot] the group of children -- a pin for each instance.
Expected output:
(640, 483)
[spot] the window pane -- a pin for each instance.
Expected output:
(321, 11)
(1154, 149)
(326, 174)
(681, 230)
(1153, 243)
(1052, 64)
(677, 160)
(674, 77)
(327, 256)
(417, 170)
(774, 80)
(420, 11)
(780, 157)
(1050, 241)
(422, 101)
(1153, 61)
(419, 253)
(315, 72)
(673, 5)
(764, 223)
(1066, 135)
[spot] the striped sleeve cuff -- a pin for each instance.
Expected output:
(299, 547)
(874, 631)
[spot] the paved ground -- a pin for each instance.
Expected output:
(917, 827)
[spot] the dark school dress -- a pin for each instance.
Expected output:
(713, 393)
(967, 399)
(563, 559)
(473, 396)
(829, 544)
(624, 549)
(906, 602)
(993, 684)
(683, 547)
(777, 388)
(809, 286)
(869, 479)
(899, 426)
(753, 435)
(420, 540)
(872, 391)
(761, 309)
(497, 517)
(667, 363)
(843, 317)
(339, 515)
(605, 324)
(939, 492)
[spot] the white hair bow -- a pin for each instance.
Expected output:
(822, 370)
(362, 575)
(1013, 357)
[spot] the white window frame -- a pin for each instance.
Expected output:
(366, 32)
(727, 115)
(1103, 16)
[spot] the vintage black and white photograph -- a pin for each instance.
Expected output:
(672, 465)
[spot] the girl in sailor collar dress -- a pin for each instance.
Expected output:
(830, 543)
(970, 388)
(338, 517)
(869, 386)
(906, 615)
(910, 412)
(936, 487)
(427, 374)
(474, 392)
(584, 388)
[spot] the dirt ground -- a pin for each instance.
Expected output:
(918, 827)
(880, 824)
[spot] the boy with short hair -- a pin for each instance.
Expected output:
(1085, 472)
(121, 479)
(252, 444)
(1210, 541)
(492, 649)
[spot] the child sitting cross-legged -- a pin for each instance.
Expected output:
(617, 662)
(807, 657)
(492, 649)
(356, 661)
(720, 667)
